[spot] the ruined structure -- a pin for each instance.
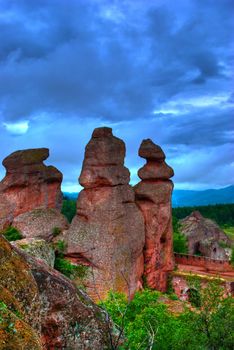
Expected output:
(30, 185)
(107, 232)
(205, 237)
(153, 196)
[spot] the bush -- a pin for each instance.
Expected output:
(11, 234)
(65, 266)
(56, 231)
(71, 271)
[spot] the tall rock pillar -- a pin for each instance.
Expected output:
(153, 196)
(107, 232)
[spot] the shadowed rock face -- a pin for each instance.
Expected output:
(204, 237)
(153, 196)
(108, 230)
(29, 184)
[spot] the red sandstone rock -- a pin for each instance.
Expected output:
(150, 151)
(104, 159)
(40, 223)
(108, 230)
(52, 308)
(153, 196)
(205, 237)
(29, 184)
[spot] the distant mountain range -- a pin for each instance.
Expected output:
(187, 198)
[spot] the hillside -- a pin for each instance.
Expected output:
(183, 198)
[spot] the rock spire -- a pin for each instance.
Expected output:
(153, 196)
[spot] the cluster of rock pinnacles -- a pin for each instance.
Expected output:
(123, 233)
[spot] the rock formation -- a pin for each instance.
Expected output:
(205, 237)
(107, 232)
(38, 248)
(28, 185)
(48, 311)
(40, 223)
(153, 196)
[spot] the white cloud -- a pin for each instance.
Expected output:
(18, 128)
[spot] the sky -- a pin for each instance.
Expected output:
(159, 69)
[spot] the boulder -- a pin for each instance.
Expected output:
(107, 232)
(40, 223)
(54, 313)
(29, 184)
(38, 248)
(153, 196)
(205, 237)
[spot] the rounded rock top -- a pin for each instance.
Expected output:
(26, 157)
(149, 150)
(102, 132)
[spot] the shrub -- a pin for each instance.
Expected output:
(11, 234)
(56, 231)
(71, 271)
(65, 266)
(60, 247)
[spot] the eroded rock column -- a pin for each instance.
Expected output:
(30, 194)
(153, 196)
(107, 232)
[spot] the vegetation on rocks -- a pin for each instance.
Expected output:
(65, 266)
(11, 234)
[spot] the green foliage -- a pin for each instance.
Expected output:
(229, 230)
(11, 234)
(68, 269)
(69, 209)
(180, 243)
(173, 296)
(60, 247)
(64, 266)
(223, 244)
(232, 257)
(6, 322)
(179, 240)
(148, 324)
(222, 214)
(56, 231)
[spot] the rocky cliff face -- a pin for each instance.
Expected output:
(204, 237)
(44, 308)
(28, 185)
(108, 231)
(153, 196)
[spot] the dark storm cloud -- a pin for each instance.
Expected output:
(158, 69)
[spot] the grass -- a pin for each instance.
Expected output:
(229, 230)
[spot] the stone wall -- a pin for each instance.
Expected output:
(203, 262)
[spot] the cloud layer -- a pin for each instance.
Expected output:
(148, 69)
